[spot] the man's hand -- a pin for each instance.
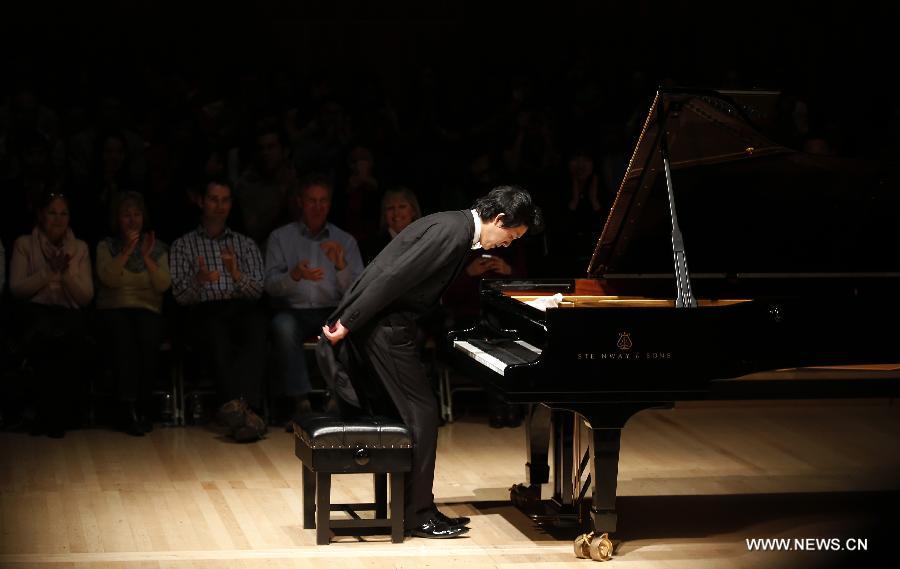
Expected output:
(303, 271)
(204, 275)
(229, 259)
(335, 254)
(335, 333)
(479, 266)
(500, 266)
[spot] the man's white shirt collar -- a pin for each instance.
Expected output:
(476, 241)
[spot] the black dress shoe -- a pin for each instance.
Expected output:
(129, 422)
(437, 529)
(513, 416)
(460, 521)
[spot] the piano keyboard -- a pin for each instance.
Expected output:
(496, 355)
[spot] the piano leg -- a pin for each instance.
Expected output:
(537, 441)
(604, 471)
(606, 422)
(538, 430)
(565, 485)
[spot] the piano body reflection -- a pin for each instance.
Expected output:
(793, 267)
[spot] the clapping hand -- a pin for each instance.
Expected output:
(335, 254)
(229, 259)
(204, 275)
(59, 261)
(147, 245)
(131, 240)
(302, 270)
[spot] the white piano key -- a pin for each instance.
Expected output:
(528, 346)
(480, 356)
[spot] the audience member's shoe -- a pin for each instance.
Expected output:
(231, 414)
(437, 529)
(146, 425)
(199, 415)
(55, 428)
(302, 408)
(128, 420)
(332, 407)
(498, 417)
(513, 416)
(252, 430)
(56, 432)
(460, 521)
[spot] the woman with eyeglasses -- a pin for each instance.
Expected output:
(50, 274)
(133, 269)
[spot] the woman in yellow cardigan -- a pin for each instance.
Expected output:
(133, 269)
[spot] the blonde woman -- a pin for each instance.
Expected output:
(133, 270)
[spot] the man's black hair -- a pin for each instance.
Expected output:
(217, 181)
(514, 203)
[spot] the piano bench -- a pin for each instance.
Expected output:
(329, 445)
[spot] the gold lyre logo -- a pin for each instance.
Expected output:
(624, 342)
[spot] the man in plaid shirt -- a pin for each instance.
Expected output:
(218, 274)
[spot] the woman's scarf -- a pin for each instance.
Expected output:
(43, 250)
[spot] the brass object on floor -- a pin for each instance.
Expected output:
(583, 545)
(601, 548)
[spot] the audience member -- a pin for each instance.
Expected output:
(321, 144)
(265, 188)
(50, 273)
(111, 116)
(577, 217)
(399, 208)
(133, 269)
(21, 115)
(310, 263)
(35, 177)
(109, 177)
(218, 274)
(358, 197)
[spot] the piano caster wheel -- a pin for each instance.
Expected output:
(583, 545)
(601, 548)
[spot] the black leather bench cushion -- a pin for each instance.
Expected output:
(359, 432)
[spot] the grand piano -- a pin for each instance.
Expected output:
(790, 293)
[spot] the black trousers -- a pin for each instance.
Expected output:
(392, 355)
(54, 342)
(231, 337)
(135, 334)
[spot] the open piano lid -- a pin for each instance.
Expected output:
(745, 204)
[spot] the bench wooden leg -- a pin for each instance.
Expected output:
(397, 479)
(309, 498)
(323, 508)
(380, 484)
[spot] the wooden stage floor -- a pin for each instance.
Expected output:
(695, 482)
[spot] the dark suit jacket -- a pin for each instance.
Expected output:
(411, 272)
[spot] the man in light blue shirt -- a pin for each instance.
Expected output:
(310, 263)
